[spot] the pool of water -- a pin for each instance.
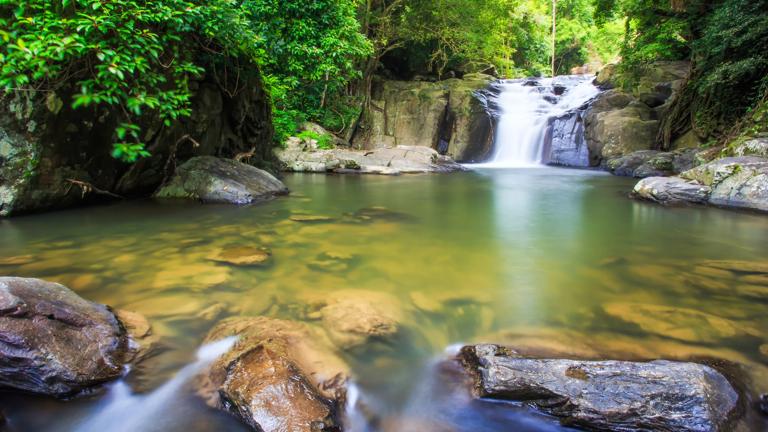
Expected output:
(551, 259)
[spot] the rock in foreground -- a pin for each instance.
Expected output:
(55, 343)
(389, 161)
(215, 180)
(606, 395)
(280, 376)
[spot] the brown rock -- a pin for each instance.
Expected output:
(242, 256)
(354, 317)
(279, 376)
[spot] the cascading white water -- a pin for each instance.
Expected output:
(124, 411)
(524, 109)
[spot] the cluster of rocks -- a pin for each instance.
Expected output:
(619, 122)
(288, 375)
(302, 156)
(737, 182)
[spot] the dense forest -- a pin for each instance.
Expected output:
(317, 58)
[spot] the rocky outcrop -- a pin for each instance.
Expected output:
(738, 182)
(653, 163)
(214, 180)
(297, 156)
(45, 145)
(53, 342)
(280, 376)
(565, 142)
(622, 122)
(449, 116)
(606, 395)
(753, 147)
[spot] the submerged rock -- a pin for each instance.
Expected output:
(55, 343)
(215, 180)
(279, 376)
(679, 323)
(355, 317)
(606, 395)
(242, 256)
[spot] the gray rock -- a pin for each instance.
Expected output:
(215, 180)
(754, 147)
(55, 343)
(564, 140)
(607, 395)
(671, 190)
(628, 164)
(388, 161)
(740, 182)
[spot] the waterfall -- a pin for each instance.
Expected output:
(525, 110)
(124, 411)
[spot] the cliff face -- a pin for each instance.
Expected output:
(449, 116)
(52, 156)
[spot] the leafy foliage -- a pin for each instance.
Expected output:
(137, 56)
(309, 52)
(324, 141)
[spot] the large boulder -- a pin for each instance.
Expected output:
(449, 116)
(280, 376)
(671, 190)
(565, 142)
(54, 156)
(215, 180)
(53, 342)
(390, 161)
(617, 132)
(606, 395)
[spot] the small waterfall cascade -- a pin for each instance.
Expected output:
(526, 109)
(124, 411)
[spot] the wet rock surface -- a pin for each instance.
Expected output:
(279, 376)
(738, 182)
(387, 161)
(214, 180)
(55, 343)
(606, 395)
